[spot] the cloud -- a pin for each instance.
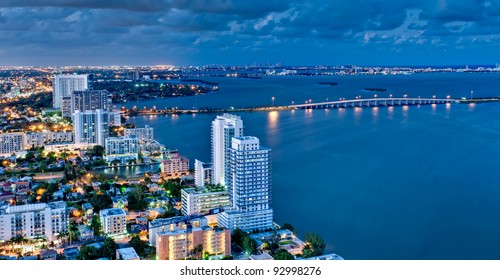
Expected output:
(211, 31)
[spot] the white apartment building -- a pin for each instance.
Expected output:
(38, 139)
(113, 221)
(64, 85)
(90, 127)
(202, 173)
(223, 129)
(248, 177)
(176, 166)
(174, 224)
(11, 143)
(144, 134)
(121, 148)
(32, 220)
(201, 201)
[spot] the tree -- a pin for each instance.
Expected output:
(139, 246)
(109, 248)
(97, 150)
(101, 201)
(73, 232)
(289, 227)
(237, 236)
(136, 199)
(89, 253)
(316, 243)
(95, 225)
(249, 245)
(282, 254)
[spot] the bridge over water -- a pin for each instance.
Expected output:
(374, 102)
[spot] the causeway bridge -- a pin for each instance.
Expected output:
(374, 102)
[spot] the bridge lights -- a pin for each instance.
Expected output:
(273, 100)
(405, 96)
(448, 97)
(375, 96)
(434, 96)
(390, 95)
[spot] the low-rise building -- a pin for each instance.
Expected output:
(175, 167)
(113, 221)
(184, 243)
(127, 254)
(121, 148)
(201, 201)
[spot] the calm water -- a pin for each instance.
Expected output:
(386, 183)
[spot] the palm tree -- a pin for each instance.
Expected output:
(73, 232)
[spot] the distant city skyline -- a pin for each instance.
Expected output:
(176, 32)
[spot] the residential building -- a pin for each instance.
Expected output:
(176, 166)
(174, 224)
(121, 148)
(38, 139)
(248, 177)
(202, 173)
(32, 220)
(127, 254)
(91, 127)
(223, 129)
(113, 221)
(11, 143)
(144, 134)
(66, 107)
(88, 100)
(115, 118)
(182, 244)
(64, 85)
(201, 201)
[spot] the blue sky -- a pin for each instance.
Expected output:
(199, 32)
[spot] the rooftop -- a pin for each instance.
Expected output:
(127, 254)
(112, 212)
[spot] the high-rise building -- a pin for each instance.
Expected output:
(90, 100)
(91, 127)
(121, 148)
(11, 143)
(201, 201)
(64, 85)
(66, 107)
(202, 173)
(32, 220)
(248, 180)
(144, 134)
(223, 129)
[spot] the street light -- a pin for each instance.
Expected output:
(273, 101)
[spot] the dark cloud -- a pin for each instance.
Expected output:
(236, 32)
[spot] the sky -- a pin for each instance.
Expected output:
(240, 32)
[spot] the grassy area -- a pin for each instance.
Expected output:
(286, 242)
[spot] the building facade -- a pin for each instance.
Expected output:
(34, 220)
(144, 134)
(91, 127)
(113, 221)
(201, 201)
(11, 143)
(182, 244)
(174, 224)
(223, 129)
(64, 85)
(121, 148)
(248, 177)
(174, 167)
(202, 173)
(85, 100)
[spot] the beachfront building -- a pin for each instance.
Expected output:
(121, 148)
(113, 221)
(201, 201)
(248, 178)
(90, 127)
(11, 143)
(185, 243)
(34, 220)
(223, 129)
(64, 85)
(144, 134)
(175, 167)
